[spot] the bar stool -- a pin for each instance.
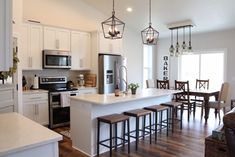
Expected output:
(114, 119)
(161, 123)
(138, 113)
(174, 105)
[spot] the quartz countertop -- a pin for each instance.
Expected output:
(35, 91)
(106, 99)
(19, 133)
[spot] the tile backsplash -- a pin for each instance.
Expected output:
(71, 75)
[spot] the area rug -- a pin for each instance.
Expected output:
(66, 133)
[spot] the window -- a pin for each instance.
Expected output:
(147, 64)
(203, 65)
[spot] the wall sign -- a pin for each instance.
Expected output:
(165, 68)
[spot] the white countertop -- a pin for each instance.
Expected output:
(106, 99)
(19, 133)
(35, 91)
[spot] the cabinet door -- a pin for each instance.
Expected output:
(6, 54)
(29, 111)
(24, 56)
(31, 56)
(36, 46)
(49, 40)
(63, 39)
(42, 113)
(81, 50)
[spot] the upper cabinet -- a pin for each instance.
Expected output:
(56, 39)
(81, 50)
(103, 45)
(32, 38)
(6, 46)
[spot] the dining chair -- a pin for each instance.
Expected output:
(222, 100)
(150, 83)
(184, 97)
(163, 84)
(200, 84)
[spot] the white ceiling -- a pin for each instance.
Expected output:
(207, 15)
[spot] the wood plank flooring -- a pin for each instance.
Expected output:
(188, 142)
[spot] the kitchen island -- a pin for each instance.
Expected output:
(85, 109)
(22, 137)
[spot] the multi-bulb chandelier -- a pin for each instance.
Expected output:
(149, 35)
(183, 49)
(113, 28)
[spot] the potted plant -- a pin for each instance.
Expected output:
(133, 87)
(5, 74)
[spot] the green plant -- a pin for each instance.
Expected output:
(12, 70)
(133, 86)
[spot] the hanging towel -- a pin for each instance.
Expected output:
(64, 99)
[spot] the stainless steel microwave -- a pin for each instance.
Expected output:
(55, 59)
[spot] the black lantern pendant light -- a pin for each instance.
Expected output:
(113, 28)
(149, 35)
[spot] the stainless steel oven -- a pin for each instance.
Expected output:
(54, 59)
(59, 110)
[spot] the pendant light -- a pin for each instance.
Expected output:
(177, 47)
(190, 49)
(184, 46)
(113, 28)
(149, 35)
(172, 49)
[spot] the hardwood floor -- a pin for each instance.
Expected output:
(188, 142)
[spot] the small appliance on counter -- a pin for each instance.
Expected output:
(81, 81)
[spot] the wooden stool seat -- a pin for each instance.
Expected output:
(114, 119)
(156, 108)
(138, 113)
(172, 104)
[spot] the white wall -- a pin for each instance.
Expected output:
(224, 40)
(64, 13)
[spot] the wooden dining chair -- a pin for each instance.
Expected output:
(163, 84)
(150, 83)
(200, 84)
(222, 100)
(184, 97)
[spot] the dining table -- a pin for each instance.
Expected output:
(205, 94)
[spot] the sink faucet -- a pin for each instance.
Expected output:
(122, 79)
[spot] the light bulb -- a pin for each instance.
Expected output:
(171, 49)
(149, 39)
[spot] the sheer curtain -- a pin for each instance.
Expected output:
(203, 65)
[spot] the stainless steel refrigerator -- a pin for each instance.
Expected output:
(112, 72)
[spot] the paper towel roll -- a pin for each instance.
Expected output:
(35, 82)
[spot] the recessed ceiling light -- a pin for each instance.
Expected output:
(129, 9)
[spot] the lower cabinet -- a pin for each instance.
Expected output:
(35, 107)
(6, 98)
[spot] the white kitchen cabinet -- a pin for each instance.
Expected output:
(56, 39)
(6, 98)
(6, 53)
(103, 45)
(35, 107)
(81, 50)
(31, 53)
